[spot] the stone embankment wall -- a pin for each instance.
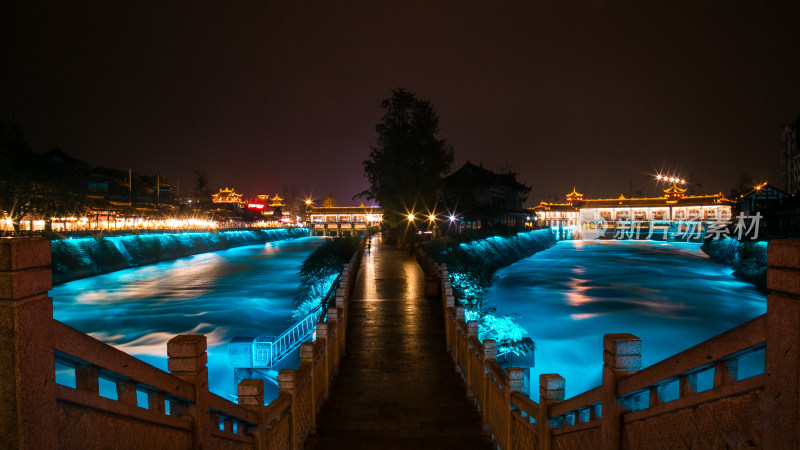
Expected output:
(74, 259)
(748, 259)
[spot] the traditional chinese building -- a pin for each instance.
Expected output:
(482, 198)
(226, 195)
(779, 212)
(344, 220)
(559, 214)
(273, 202)
(673, 206)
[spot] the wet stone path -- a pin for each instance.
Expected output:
(397, 387)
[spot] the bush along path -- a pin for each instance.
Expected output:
(472, 264)
(319, 271)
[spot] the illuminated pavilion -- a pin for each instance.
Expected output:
(226, 195)
(673, 206)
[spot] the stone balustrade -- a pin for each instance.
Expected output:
(152, 408)
(632, 408)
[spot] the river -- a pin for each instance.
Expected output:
(671, 295)
(244, 291)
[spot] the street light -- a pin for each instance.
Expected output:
(410, 217)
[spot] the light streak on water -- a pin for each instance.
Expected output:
(244, 291)
(671, 295)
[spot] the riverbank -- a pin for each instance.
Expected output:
(472, 266)
(78, 258)
(748, 259)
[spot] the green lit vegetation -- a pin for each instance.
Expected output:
(748, 259)
(472, 261)
(319, 271)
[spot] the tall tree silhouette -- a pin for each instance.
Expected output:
(406, 165)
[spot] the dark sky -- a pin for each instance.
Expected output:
(263, 95)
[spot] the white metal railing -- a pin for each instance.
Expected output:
(268, 350)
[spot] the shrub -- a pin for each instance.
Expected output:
(319, 271)
(472, 265)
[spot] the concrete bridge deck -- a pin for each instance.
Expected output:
(397, 387)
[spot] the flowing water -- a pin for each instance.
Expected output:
(245, 291)
(671, 295)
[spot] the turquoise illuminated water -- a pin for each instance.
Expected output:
(244, 291)
(671, 295)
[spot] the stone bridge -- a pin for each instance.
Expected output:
(380, 375)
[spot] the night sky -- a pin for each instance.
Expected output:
(263, 95)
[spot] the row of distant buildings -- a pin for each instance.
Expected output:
(673, 206)
(323, 220)
(778, 210)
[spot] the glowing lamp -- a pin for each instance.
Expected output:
(431, 217)
(410, 217)
(452, 218)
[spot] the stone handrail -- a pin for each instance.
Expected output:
(76, 349)
(760, 411)
(153, 408)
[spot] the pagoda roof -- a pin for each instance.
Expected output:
(471, 175)
(574, 193)
(674, 189)
(227, 192)
(554, 207)
(691, 200)
(765, 190)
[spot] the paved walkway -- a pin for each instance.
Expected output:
(397, 386)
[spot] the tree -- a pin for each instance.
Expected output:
(201, 191)
(744, 185)
(45, 185)
(406, 165)
(291, 200)
(330, 201)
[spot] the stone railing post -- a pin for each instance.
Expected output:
(322, 334)
(307, 357)
(286, 385)
(622, 356)
(251, 396)
(459, 314)
(516, 383)
(472, 332)
(551, 391)
(29, 417)
(459, 317)
(782, 358)
(335, 320)
(342, 305)
(489, 354)
(187, 361)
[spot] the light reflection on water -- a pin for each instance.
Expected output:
(244, 291)
(669, 294)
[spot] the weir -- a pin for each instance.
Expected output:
(76, 258)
